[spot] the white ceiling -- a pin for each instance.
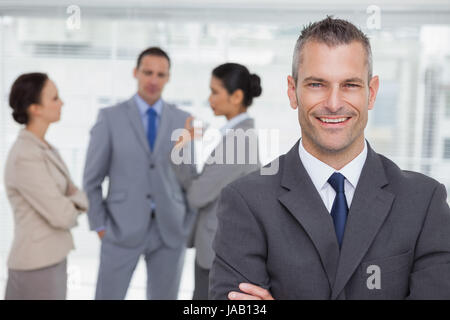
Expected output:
(387, 4)
(393, 12)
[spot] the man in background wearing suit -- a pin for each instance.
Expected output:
(338, 220)
(145, 211)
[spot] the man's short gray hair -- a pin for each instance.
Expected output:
(332, 32)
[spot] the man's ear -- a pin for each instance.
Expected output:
(134, 72)
(374, 84)
(291, 92)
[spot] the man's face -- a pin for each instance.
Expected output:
(152, 75)
(333, 96)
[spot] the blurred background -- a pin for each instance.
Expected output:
(89, 48)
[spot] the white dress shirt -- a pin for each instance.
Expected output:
(320, 172)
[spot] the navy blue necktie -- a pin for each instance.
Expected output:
(339, 210)
(151, 128)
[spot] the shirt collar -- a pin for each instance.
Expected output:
(352, 171)
(143, 106)
(234, 121)
(320, 172)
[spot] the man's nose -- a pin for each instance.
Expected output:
(334, 99)
(153, 79)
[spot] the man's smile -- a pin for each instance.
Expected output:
(333, 122)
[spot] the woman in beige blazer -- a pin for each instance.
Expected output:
(44, 200)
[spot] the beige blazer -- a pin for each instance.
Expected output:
(38, 183)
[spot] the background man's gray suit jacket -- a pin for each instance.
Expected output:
(274, 231)
(119, 150)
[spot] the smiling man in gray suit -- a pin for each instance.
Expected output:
(338, 220)
(145, 211)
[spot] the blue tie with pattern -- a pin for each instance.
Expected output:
(151, 128)
(339, 210)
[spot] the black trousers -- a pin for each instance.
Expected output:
(201, 283)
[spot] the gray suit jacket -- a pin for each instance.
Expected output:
(274, 231)
(203, 189)
(119, 150)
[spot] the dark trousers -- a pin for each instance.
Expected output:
(201, 283)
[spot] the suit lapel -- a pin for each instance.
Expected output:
(370, 207)
(136, 124)
(57, 162)
(304, 202)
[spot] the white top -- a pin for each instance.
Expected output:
(320, 172)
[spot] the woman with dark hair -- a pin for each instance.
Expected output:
(232, 91)
(43, 198)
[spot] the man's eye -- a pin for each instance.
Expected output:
(352, 85)
(315, 85)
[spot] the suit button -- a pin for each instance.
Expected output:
(149, 196)
(152, 166)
